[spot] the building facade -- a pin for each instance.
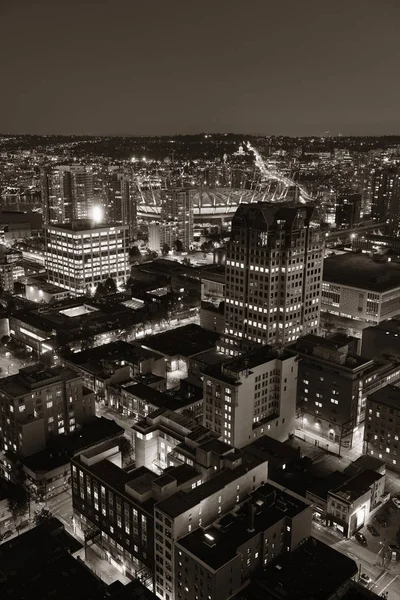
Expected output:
(273, 275)
(80, 256)
(332, 386)
(40, 402)
(177, 209)
(251, 395)
(382, 426)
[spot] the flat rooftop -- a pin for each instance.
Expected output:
(356, 486)
(86, 225)
(231, 369)
(95, 360)
(218, 544)
(63, 447)
(358, 270)
(34, 377)
(307, 573)
(184, 341)
(183, 501)
(27, 574)
(388, 396)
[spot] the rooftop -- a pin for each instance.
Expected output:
(27, 574)
(388, 396)
(33, 377)
(65, 446)
(305, 574)
(99, 359)
(356, 486)
(358, 270)
(85, 225)
(231, 370)
(183, 501)
(183, 341)
(219, 543)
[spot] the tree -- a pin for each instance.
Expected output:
(178, 246)
(186, 262)
(42, 516)
(100, 290)
(18, 501)
(110, 286)
(166, 249)
(126, 448)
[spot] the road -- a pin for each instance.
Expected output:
(11, 364)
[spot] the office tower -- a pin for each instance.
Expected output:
(122, 198)
(80, 255)
(333, 382)
(40, 402)
(177, 209)
(348, 208)
(385, 193)
(251, 395)
(71, 192)
(273, 276)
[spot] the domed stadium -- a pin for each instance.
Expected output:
(209, 204)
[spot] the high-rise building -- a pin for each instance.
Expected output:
(273, 275)
(348, 209)
(80, 255)
(251, 395)
(177, 209)
(385, 193)
(122, 196)
(40, 402)
(71, 192)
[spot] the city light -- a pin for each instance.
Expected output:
(97, 213)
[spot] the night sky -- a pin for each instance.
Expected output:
(137, 67)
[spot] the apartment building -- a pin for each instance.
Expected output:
(382, 426)
(40, 402)
(332, 385)
(214, 563)
(251, 395)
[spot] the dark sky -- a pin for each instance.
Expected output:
(292, 67)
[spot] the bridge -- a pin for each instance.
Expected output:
(344, 236)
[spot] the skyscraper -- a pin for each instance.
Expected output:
(70, 192)
(122, 193)
(385, 199)
(177, 208)
(273, 276)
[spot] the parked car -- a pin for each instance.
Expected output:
(373, 531)
(396, 502)
(361, 539)
(364, 579)
(8, 533)
(381, 520)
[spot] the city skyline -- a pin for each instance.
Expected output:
(158, 69)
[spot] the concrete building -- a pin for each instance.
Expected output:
(352, 505)
(216, 561)
(382, 426)
(138, 515)
(360, 288)
(348, 208)
(70, 192)
(273, 275)
(44, 292)
(122, 197)
(177, 209)
(382, 339)
(251, 395)
(40, 402)
(332, 386)
(385, 193)
(80, 256)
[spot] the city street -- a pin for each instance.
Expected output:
(10, 364)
